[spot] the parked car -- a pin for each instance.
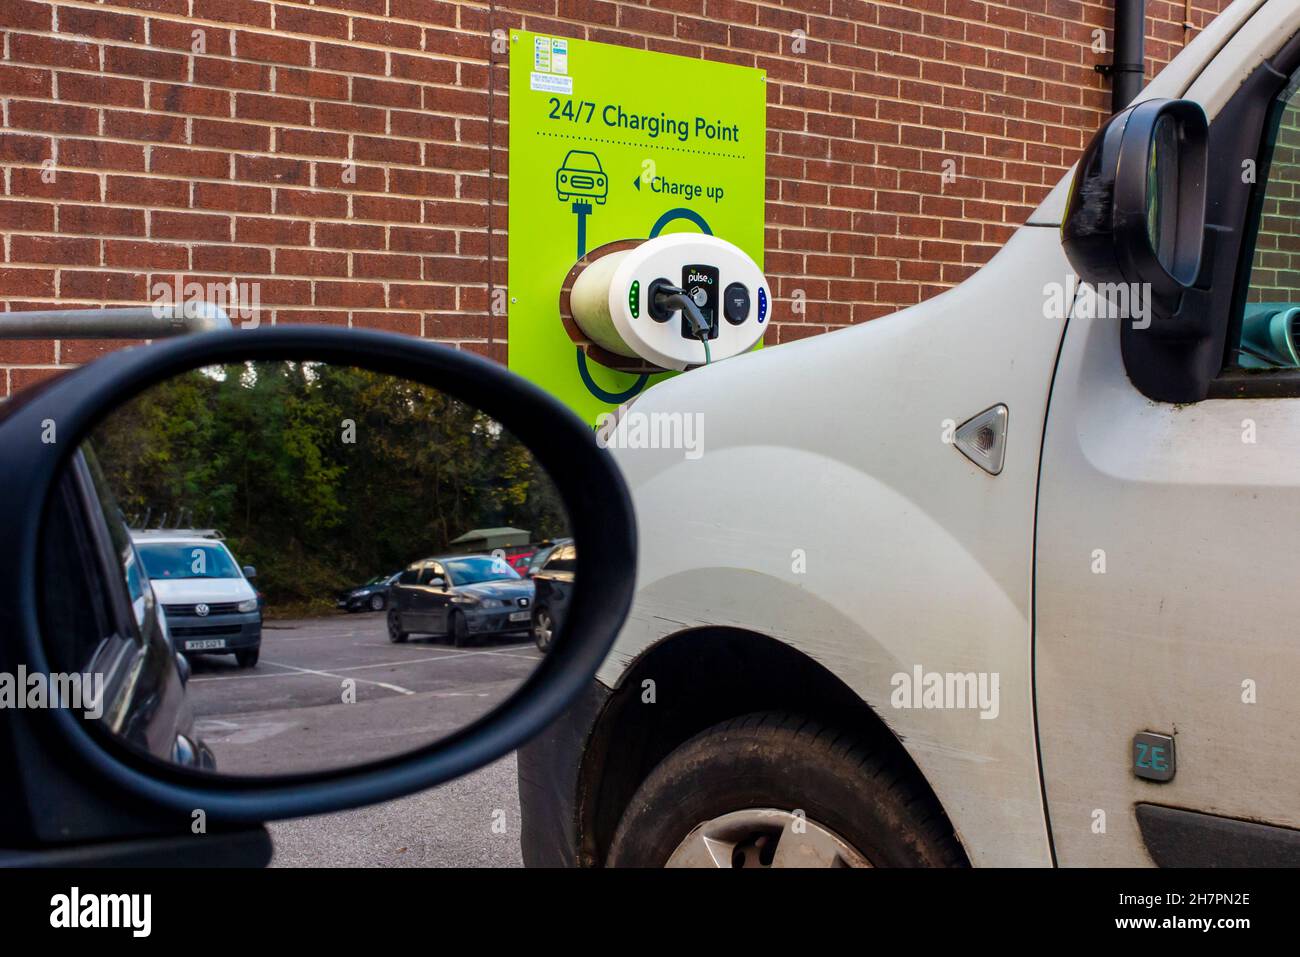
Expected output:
(372, 596)
(542, 553)
(103, 617)
(211, 607)
(1007, 578)
(553, 587)
(459, 596)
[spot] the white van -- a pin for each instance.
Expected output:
(211, 606)
(1008, 578)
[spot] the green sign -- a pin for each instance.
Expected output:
(606, 144)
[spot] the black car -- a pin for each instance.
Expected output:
(372, 596)
(121, 631)
(553, 587)
(459, 596)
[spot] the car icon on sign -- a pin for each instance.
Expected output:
(581, 175)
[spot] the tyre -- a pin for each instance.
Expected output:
(377, 602)
(248, 657)
(543, 630)
(395, 633)
(774, 789)
(458, 629)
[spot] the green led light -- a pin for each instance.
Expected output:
(634, 299)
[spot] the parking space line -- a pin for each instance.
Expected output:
(293, 671)
(329, 674)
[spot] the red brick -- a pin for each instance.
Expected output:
(136, 254)
(100, 221)
(101, 24)
(102, 286)
(192, 226)
(24, 81)
(54, 249)
(271, 48)
(255, 13)
(172, 98)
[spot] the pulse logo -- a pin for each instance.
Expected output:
(103, 910)
(693, 277)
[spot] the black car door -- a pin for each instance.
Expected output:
(402, 597)
(436, 595)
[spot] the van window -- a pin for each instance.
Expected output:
(1269, 329)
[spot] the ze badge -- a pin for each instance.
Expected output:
(1153, 756)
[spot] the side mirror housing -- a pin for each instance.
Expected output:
(250, 571)
(1136, 216)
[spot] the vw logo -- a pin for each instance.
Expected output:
(201, 610)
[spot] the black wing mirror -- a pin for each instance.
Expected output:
(446, 417)
(1135, 223)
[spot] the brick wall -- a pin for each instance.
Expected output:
(348, 156)
(1275, 271)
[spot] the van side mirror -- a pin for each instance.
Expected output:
(250, 571)
(1136, 214)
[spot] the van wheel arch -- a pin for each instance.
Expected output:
(702, 677)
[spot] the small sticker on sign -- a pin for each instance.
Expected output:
(559, 56)
(548, 83)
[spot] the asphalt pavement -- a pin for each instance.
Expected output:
(334, 691)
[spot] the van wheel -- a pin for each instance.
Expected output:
(774, 789)
(248, 659)
(395, 633)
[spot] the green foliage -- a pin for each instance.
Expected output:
(321, 476)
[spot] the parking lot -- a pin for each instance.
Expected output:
(334, 691)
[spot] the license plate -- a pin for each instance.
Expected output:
(520, 616)
(207, 644)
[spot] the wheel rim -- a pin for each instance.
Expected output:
(764, 837)
(377, 602)
(543, 629)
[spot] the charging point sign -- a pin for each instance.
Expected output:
(609, 143)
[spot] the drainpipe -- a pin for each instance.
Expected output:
(1130, 45)
(132, 322)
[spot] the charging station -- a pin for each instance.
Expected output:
(636, 216)
(674, 301)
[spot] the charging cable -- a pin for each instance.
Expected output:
(672, 298)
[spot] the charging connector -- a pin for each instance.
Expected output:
(666, 298)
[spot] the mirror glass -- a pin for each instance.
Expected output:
(280, 567)
(1162, 191)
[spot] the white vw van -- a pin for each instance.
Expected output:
(210, 603)
(1009, 578)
